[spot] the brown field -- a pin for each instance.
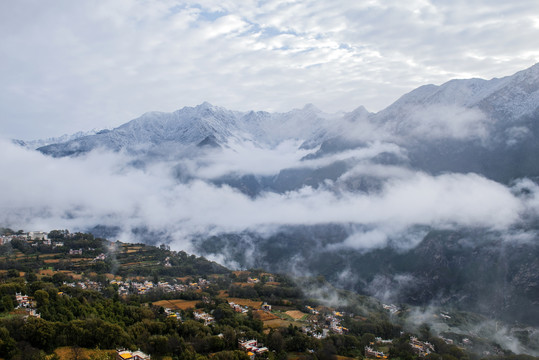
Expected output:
(66, 353)
(222, 293)
(295, 314)
(177, 304)
(264, 315)
(243, 284)
(46, 272)
(4, 272)
(51, 261)
(246, 302)
(273, 283)
(185, 279)
(238, 273)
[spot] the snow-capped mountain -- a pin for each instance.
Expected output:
(465, 109)
(483, 126)
(35, 144)
(202, 125)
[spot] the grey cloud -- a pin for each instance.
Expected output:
(71, 68)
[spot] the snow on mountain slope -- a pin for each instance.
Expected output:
(34, 144)
(200, 124)
(484, 126)
(463, 109)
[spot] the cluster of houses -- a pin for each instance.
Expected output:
(173, 314)
(33, 237)
(201, 315)
(4, 239)
(315, 332)
(381, 341)
(393, 309)
(371, 353)
(135, 287)
(329, 323)
(27, 303)
(335, 322)
(122, 354)
(421, 348)
(86, 285)
(253, 348)
(238, 308)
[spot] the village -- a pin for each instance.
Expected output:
(318, 321)
(313, 320)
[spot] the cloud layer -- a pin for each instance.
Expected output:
(101, 188)
(69, 66)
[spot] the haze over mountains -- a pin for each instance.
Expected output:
(431, 199)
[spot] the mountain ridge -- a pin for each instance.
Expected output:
(485, 106)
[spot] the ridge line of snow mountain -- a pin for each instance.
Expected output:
(459, 116)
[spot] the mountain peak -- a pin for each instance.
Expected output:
(310, 107)
(205, 105)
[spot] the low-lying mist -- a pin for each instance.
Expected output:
(105, 188)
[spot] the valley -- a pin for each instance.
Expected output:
(192, 308)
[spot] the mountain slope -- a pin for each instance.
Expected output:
(488, 127)
(198, 125)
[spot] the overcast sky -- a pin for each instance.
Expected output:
(70, 65)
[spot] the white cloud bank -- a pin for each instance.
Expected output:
(40, 192)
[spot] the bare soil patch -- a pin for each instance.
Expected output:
(264, 315)
(51, 261)
(177, 304)
(296, 314)
(243, 284)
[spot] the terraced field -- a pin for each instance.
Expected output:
(177, 304)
